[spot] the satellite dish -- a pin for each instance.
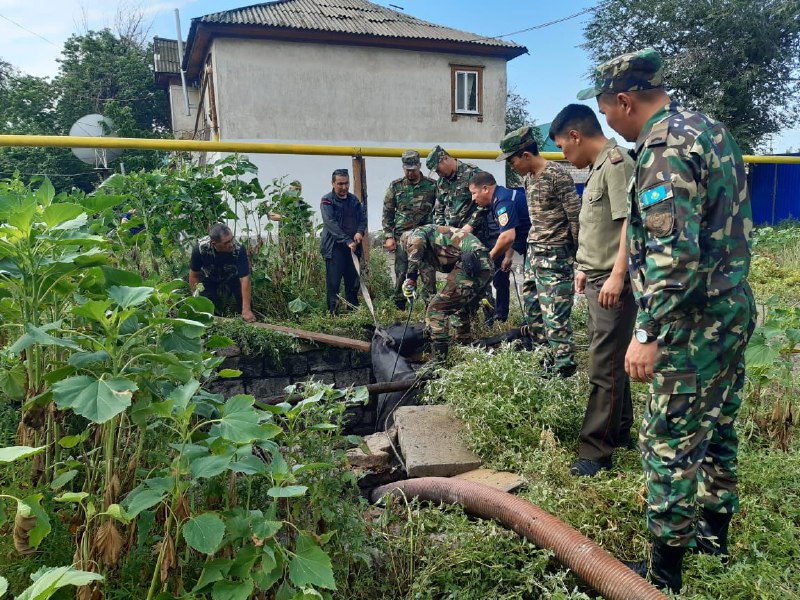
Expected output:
(94, 125)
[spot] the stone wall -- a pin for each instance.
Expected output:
(263, 377)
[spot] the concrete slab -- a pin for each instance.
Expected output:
(378, 442)
(430, 442)
(501, 480)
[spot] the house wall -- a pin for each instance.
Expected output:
(307, 92)
(278, 92)
(183, 125)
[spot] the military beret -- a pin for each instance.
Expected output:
(410, 159)
(642, 70)
(515, 141)
(435, 156)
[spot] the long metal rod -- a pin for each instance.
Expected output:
(386, 387)
(65, 141)
(180, 62)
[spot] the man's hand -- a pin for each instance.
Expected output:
(390, 244)
(506, 264)
(357, 238)
(640, 359)
(611, 291)
(467, 229)
(580, 282)
(410, 289)
(352, 245)
(248, 315)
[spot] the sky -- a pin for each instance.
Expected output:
(32, 34)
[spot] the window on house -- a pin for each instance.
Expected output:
(467, 90)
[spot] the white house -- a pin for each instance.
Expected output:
(337, 72)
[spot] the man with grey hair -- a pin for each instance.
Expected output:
(220, 263)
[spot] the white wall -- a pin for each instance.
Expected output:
(183, 125)
(303, 92)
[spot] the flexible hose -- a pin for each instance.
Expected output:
(593, 565)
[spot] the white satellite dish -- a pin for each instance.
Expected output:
(94, 125)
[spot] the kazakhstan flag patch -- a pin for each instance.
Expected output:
(655, 195)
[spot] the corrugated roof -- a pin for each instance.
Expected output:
(165, 56)
(357, 17)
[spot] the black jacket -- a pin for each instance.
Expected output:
(341, 220)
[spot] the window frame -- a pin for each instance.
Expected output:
(477, 70)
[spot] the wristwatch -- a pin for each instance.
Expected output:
(644, 337)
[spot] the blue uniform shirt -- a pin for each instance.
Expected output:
(510, 211)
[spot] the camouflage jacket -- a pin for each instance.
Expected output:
(408, 205)
(554, 207)
(215, 267)
(454, 205)
(441, 247)
(689, 219)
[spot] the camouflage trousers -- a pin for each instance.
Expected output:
(427, 275)
(548, 292)
(688, 439)
(457, 301)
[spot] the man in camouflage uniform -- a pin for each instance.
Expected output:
(408, 204)
(689, 228)
(554, 207)
(466, 260)
(220, 263)
(602, 275)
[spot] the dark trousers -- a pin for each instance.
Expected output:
(609, 413)
(216, 292)
(502, 290)
(340, 266)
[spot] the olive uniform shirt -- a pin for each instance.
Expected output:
(605, 205)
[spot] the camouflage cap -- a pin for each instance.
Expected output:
(630, 72)
(410, 159)
(514, 142)
(435, 156)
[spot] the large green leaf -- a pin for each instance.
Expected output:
(56, 214)
(213, 570)
(3, 585)
(240, 422)
(127, 296)
(51, 579)
(12, 453)
(209, 466)
(94, 310)
(311, 565)
(230, 590)
(38, 335)
(119, 277)
(204, 532)
(290, 491)
(81, 360)
(182, 394)
(759, 354)
(97, 400)
(100, 202)
(142, 499)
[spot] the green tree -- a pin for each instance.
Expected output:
(99, 72)
(736, 60)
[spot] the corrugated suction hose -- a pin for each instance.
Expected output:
(593, 565)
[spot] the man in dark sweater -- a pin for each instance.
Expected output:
(343, 227)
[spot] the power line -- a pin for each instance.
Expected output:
(550, 23)
(28, 30)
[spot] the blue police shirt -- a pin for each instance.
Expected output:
(510, 211)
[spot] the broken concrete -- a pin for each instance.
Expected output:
(501, 480)
(430, 441)
(379, 456)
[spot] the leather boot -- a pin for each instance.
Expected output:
(666, 564)
(712, 533)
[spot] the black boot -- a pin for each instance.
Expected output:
(712, 533)
(666, 564)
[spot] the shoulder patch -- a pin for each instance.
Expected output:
(615, 156)
(655, 194)
(503, 219)
(327, 202)
(501, 210)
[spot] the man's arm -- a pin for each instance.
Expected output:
(328, 213)
(565, 189)
(389, 209)
(612, 288)
(503, 244)
(247, 313)
(194, 279)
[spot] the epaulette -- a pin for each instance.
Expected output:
(615, 156)
(396, 181)
(658, 134)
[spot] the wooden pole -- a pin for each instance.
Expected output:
(373, 388)
(360, 191)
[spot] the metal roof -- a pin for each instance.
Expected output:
(356, 17)
(165, 56)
